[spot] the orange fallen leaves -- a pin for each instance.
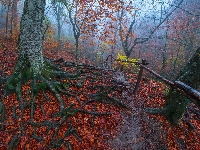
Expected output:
(152, 93)
(177, 136)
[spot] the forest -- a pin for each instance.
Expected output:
(100, 74)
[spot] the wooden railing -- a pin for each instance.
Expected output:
(184, 89)
(106, 61)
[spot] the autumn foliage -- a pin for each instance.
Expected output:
(90, 131)
(101, 110)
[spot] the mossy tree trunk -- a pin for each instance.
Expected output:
(30, 42)
(31, 66)
(31, 36)
(176, 103)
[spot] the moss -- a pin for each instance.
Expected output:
(26, 75)
(2, 111)
(175, 104)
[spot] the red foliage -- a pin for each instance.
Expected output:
(150, 94)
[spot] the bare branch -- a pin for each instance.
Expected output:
(186, 11)
(143, 40)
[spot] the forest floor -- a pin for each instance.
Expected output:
(126, 129)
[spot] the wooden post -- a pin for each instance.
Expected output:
(111, 59)
(139, 76)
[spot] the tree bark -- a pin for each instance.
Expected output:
(14, 16)
(31, 65)
(31, 35)
(176, 103)
(30, 58)
(7, 18)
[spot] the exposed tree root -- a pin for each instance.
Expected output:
(51, 79)
(190, 125)
(2, 111)
(175, 104)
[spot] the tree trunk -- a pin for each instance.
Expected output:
(14, 16)
(59, 32)
(77, 52)
(31, 35)
(7, 18)
(176, 103)
(58, 12)
(31, 65)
